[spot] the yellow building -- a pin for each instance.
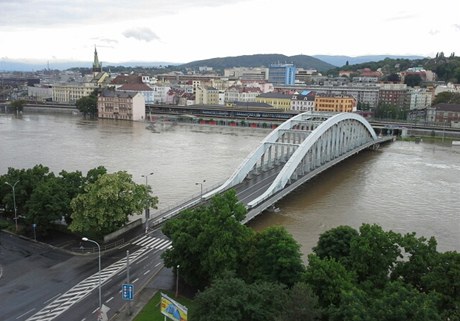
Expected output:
(335, 103)
(276, 100)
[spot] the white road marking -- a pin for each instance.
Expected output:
(147, 272)
(25, 313)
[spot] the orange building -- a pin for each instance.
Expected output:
(335, 103)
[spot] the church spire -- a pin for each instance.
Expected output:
(97, 66)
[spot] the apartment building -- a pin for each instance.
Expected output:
(122, 105)
(393, 95)
(334, 103)
(276, 100)
(304, 101)
(419, 98)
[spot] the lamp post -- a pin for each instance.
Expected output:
(147, 209)
(14, 203)
(85, 239)
(201, 188)
(177, 280)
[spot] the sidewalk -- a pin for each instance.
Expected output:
(164, 280)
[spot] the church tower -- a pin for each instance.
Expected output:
(97, 66)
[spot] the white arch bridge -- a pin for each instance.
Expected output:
(292, 154)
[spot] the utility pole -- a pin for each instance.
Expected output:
(127, 279)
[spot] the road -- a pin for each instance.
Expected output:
(43, 283)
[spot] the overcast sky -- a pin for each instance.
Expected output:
(181, 31)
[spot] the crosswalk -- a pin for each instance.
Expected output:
(79, 291)
(153, 243)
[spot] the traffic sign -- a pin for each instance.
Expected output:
(127, 291)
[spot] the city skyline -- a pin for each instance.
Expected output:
(185, 31)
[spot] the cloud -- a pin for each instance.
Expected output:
(141, 34)
(433, 32)
(401, 16)
(457, 27)
(45, 13)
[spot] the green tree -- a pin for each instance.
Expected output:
(231, 299)
(48, 203)
(447, 97)
(412, 80)
(87, 105)
(93, 174)
(301, 304)
(106, 204)
(18, 105)
(394, 77)
(208, 240)
(29, 180)
(373, 254)
(398, 301)
(444, 278)
(335, 243)
(273, 256)
(328, 279)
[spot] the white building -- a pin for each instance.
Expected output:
(419, 98)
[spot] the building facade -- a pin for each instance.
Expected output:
(335, 103)
(276, 100)
(393, 95)
(282, 74)
(447, 114)
(304, 101)
(121, 105)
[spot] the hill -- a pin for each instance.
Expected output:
(261, 60)
(340, 61)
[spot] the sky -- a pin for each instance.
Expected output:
(181, 31)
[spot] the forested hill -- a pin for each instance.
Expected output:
(261, 60)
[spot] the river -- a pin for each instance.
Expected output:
(404, 186)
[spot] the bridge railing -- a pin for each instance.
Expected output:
(162, 214)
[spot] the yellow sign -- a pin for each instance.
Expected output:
(172, 309)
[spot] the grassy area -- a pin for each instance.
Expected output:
(151, 311)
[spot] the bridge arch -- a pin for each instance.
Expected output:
(297, 149)
(334, 137)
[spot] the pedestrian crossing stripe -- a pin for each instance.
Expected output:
(153, 242)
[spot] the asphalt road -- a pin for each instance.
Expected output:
(40, 282)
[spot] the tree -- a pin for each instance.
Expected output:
(88, 105)
(47, 204)
(106, 204)
(394, 77)
(301, 304)
(29, 180)
(447, 97)
(328, 279)
(373, 254)
(231, 299)
(273, 256)
(412, 80)
(207, 241)
(335, 243)
(443, 277)
(18, 106)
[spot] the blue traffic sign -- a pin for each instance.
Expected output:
(127, 291)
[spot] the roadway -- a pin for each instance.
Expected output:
(41, 283)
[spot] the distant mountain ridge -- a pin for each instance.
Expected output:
(319, 62)
(339, 61)
(260, 60)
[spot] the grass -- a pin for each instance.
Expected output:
(151, 311)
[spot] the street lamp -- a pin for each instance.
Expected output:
(14, 203)
(201, 188)
(177, 280)
(85, 239)
(147, 209)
